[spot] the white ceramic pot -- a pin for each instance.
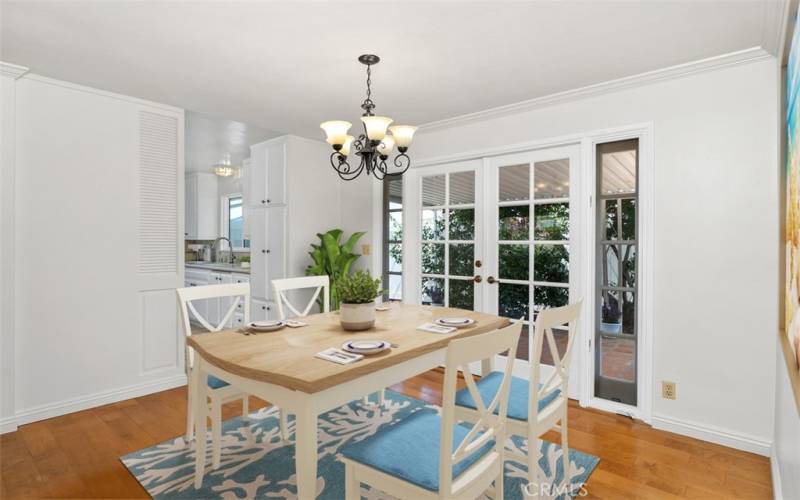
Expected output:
(356, 317)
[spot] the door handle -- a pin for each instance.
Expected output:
(491, 280)
(477, 279)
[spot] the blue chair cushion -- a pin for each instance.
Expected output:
(517, 397)
(216, 383)
(409, 450)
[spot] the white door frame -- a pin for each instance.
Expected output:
(588, 141)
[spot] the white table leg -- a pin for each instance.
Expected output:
(305, 459)
(487, 365)
(200, 414)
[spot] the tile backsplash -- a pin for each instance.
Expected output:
(191, 255)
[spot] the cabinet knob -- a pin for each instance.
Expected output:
(265, 251)
(263, 201)
(268, 200)
(491, 280)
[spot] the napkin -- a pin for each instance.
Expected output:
(434, 328)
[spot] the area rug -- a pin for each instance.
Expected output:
(256, 463)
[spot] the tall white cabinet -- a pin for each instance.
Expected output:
(201, 204)
(289, 203)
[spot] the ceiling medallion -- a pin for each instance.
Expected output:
(373, 146)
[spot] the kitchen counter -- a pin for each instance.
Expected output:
(219, 266)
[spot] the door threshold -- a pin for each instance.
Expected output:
(622, 409)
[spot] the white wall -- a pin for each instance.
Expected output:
(715, 271)
(8, 77)
(90, 328)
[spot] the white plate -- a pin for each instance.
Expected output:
(458, 322)
(365, 346)
(265, 326)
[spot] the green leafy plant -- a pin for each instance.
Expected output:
(244, 258)
(333, 259)
(360, 288)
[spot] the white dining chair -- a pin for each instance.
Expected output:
(535, 407)
(218, 391)
(320, 284)
(431, 456)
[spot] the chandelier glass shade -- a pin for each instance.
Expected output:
(224, 167)
(375, 145)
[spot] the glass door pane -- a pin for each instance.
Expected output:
(615, 311)
(531, 236)
(449, 232)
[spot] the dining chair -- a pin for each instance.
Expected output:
(535, 407)
(218, 391)
(430, 456)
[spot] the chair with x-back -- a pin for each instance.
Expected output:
(535, 406)
(218, 391)
(431, 456)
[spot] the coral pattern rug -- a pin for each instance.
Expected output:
(256, 463)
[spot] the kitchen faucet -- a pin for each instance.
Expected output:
(230, 247)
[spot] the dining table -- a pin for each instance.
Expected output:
(280, 367)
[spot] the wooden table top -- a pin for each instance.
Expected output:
(286, 357)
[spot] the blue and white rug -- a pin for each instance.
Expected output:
(256, 463)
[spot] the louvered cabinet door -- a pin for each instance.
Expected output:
(160, 238)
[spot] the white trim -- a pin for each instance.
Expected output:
(775, 466)
(98, 399)
(713, 434)
(8, 424)
(104, 93)
(745, 56)
(12, 70)
(377, 231)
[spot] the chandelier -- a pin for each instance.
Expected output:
(224, 167)
(373, 146)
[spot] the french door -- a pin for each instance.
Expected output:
(450, 236)
(500, 235)
(532, 250)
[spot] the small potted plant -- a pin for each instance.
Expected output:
(244, 261)
(610, 321)
(357, 294)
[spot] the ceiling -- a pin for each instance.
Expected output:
(287, 66)
(208, 139)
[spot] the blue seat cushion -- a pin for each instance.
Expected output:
(216, 383)
(517, 397)
(409, 450)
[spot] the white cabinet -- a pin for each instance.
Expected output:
(261, 310)
(267, 250)
(202, 206)
(267, 176)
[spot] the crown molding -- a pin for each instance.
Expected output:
(12, 70)
(709, 64)
(775, 12)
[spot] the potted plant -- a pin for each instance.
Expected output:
(244, 261)
(610, 321)
(357, 294)
(332, 258)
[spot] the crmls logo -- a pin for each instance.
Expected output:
(544, 490)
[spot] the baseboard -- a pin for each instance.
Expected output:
(775, 465)
(713, 434)
(98, 399)
(8, 424)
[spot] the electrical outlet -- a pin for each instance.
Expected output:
(366, 249)
(668, 390)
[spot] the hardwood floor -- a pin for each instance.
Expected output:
(77, 455)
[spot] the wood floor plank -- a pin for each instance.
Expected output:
(77, 455)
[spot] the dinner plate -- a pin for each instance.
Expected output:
(366, 346)
(456, 321)
(265, 326)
